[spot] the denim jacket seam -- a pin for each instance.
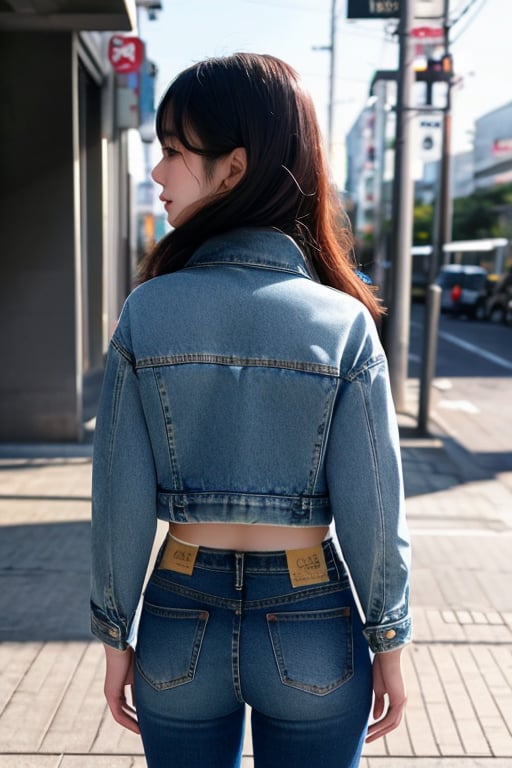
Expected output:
(237, 262)
(122, 350)
(275, 250)
(106, 619)
(117, 389)
(403, 621)
(167, 420)
(376, 635)
(110, 603)
(113, 612)
(375, 462)
(245, 497)
(380, 588)
(323, 448)
(402, 625)
(234, 360)
(355, 373)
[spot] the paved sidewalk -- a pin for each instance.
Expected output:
(459, 670)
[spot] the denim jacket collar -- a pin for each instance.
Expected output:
(263, 248)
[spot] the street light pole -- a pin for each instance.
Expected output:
(397, 331)
(442, 234)
(332, 83)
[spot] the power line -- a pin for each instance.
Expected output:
(289, 7)
(463, 13)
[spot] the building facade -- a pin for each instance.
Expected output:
(493, 147)
(64, 211)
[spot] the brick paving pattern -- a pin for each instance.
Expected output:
(459, 669)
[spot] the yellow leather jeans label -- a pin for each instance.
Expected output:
(307, 566)
(179, 556)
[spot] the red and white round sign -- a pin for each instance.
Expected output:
(126, 54)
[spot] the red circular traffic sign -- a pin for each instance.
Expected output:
(126, 54)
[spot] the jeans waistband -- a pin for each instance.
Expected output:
(253, 562)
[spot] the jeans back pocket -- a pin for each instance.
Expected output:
(168, 645)
(313, 649)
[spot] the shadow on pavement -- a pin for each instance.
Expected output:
(44, 582)
(432, 463)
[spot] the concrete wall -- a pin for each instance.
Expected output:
(38, 375)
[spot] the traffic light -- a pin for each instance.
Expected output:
(447, 64)
(436, 71)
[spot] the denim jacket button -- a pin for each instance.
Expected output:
(390, 634)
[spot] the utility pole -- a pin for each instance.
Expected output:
(443, 212)
(397, 331)
(442, 234)
(332, 83)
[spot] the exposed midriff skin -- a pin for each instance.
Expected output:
(248, 538)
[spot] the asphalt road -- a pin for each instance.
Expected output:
(472, 388)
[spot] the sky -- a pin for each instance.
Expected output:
(187, 31)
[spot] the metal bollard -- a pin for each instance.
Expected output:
(430, 332)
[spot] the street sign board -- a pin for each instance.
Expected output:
(373, 9)
(428, 9)
(390, 9)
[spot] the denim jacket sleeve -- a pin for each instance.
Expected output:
(123, 501)
(364, 476)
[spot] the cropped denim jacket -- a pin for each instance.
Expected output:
(240, 389)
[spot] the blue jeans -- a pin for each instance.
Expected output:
(235, 631)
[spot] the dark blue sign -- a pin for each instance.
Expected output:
(373, 9)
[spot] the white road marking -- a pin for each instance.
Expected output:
(458, 405)
(442, 384)
(476, 350)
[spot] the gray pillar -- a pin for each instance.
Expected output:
(38, 375)
(397, 333)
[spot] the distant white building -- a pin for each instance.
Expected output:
(360, 144)
(488, 164)
(493, 147)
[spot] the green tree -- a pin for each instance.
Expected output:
(478, 215)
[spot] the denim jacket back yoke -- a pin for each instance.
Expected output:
(241, 390)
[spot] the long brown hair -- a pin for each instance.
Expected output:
(257, 102)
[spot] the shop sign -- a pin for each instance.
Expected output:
(126, 54)
(502, 147)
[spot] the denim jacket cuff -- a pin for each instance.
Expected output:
(106, 631)
(389, 636)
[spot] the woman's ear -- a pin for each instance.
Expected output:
(235, 166)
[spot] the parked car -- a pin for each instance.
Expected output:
(499, 304)
(465, 289)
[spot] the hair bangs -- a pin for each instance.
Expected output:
(173, 114)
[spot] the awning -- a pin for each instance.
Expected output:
(99, 15)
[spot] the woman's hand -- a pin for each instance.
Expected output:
(387, 679)
(119, 676)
